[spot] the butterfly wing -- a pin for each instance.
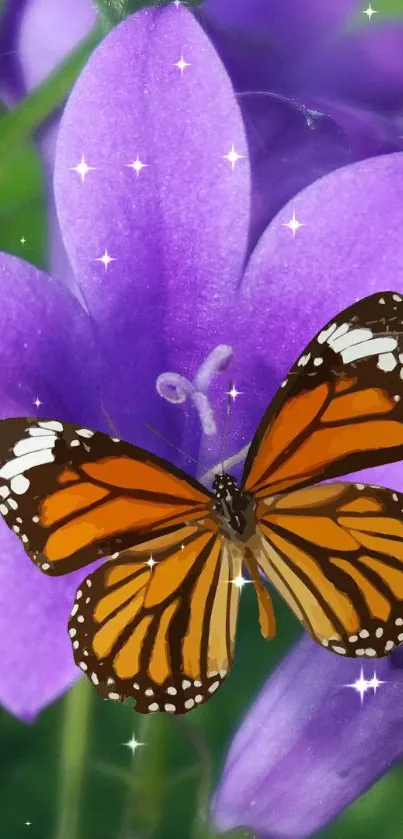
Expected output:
(73, 495)
(335, 553)
(340, 408)
(162, 634)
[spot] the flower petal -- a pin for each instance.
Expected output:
(46, 346)
(35, 650)
(46, 34)
(362, 68)
(176, 229)
(262, 42)
(297, 759)
(47, 354)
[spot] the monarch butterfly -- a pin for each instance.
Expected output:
(156, 622)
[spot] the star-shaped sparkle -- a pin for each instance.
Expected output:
(233, 156)
(293, 224)
(361, 685)
(369, 12)
(23, 240)
(105, 259)
(182, 64)
(82, 168)
(233, 393)
(151, 562)
(133, 744)
(240, 581)
(37, 402)
(177, 3)
(137, 165)
(28, 824)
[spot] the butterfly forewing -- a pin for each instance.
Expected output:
(161, 633)
(73, 495)
(335, 553)
(340, 408)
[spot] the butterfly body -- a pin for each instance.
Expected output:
(157, 620)
(233, 507)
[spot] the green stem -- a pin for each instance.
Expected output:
(144, 804)
(112, 12)
(19, 123)
(202, 828)
(77, 709)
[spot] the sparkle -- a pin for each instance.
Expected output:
(182, 547)
(233, 156)
(37, 402)
(293, 224)
(23, 240)
(151, 562)
(375, 682)
(28, 824)
(240, 581)
(233, 393)
(82, 169)
(361, 685)
(137, 165)
(177, 3)
(133, 744)
(105, 259)
(369, 12)
(182, 64)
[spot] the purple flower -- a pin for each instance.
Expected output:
(176, 297)
(320, 86)
(311, 743)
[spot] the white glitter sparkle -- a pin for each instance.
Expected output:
(106, 259)
(293, 224)
(182, 64)
(362, 684)
(233, 156)
(369, 11)
(133, 744)
(137, 165)
(82, 169)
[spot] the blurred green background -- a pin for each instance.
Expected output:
(68, 775)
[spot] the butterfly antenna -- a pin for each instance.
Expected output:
(225, 435)
(168, 442)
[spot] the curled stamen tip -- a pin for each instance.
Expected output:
(173, 387)
(216, 362)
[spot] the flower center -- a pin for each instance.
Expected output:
(176, 388)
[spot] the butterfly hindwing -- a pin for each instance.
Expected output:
(340, 409)
(335, 553)
(161, 633)
(73, 495)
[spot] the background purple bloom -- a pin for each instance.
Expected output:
(320, 86)
(310, 745)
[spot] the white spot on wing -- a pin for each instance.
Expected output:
(19, 484)
(27, 461)
(368, 348)
(387, 362)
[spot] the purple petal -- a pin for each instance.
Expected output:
(35, 650)
(47, 32)
(262, 41)
(47, 353)
(363, 68)
(308, 746)
(346, 249)
(47, 347)
(178, 229)
(11, 83)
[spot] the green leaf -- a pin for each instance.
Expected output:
(113, 11)
(23, 204)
